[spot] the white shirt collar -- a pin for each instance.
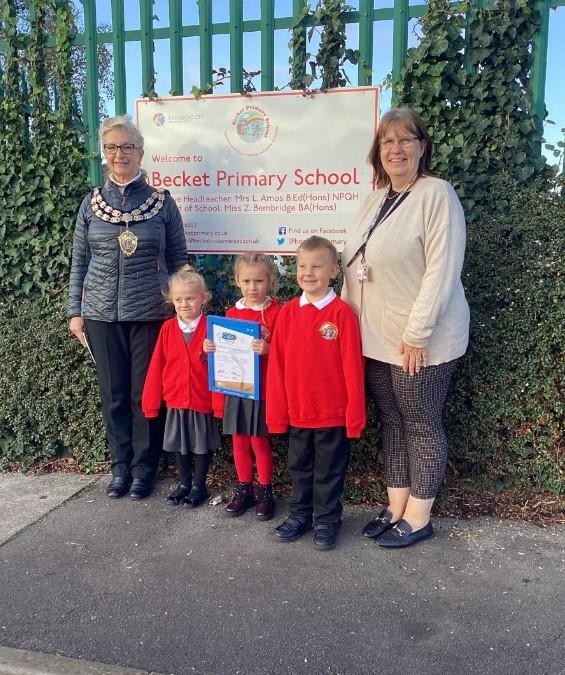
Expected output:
(189, 327)
(241, 304)
(122, 186)
(319, 304)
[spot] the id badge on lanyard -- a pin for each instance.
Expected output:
(362, 271)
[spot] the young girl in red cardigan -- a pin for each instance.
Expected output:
(178, 375)
(244, 419)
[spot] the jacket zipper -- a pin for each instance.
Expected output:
(120, 270)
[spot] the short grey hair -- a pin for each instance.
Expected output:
(121, 122)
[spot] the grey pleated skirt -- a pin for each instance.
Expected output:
(189, 431)
(244, 416)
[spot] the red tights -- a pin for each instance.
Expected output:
(243, 459)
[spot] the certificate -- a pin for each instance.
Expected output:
(234, 367)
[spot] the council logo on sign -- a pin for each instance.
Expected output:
(251, 132)
(159, 119)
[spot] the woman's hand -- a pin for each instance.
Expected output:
(76, 326)
(208, 346)
(260, 347)
(413, 358)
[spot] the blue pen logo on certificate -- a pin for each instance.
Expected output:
(233, 368)
(228, 337)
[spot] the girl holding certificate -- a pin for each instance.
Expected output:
(178, 375)
(244, 419)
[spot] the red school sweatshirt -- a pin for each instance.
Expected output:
(315, 377)
(178, 373)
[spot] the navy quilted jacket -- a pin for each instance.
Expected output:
(107, 285)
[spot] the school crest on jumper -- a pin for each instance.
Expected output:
(328, 330)
(265, 334)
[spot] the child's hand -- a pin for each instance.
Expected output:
(260, 347)
(208, 346)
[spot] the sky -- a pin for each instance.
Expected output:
(382, 63)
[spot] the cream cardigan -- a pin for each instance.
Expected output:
(414, 291)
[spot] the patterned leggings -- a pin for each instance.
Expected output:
(413, 437)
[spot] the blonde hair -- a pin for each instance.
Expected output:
(315, 243)
(187, 275)
(258, 259)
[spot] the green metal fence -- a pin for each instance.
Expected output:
(400, 14)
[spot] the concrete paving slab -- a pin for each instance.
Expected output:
(25, 499)
(175, 590)
(20, 662)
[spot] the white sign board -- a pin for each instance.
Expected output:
(262, 172)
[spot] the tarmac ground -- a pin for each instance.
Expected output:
(94, 586)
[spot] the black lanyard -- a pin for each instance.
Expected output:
(379, 218)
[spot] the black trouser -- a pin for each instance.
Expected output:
(122, 351)
(317, 462)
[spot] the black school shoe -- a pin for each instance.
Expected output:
(178, 494)
(140, 488)
(401, 535)
(292, 528)
(195, 497)
(325, 535)
(118, 487)
(381, 523)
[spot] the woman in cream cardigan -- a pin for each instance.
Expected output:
(402, 263)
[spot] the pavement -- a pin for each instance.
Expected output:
(93, 586)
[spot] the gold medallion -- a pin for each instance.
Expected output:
(145, 211)
(128, 242)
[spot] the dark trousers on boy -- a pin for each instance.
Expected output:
(317, 463)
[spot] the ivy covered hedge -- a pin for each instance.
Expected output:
(50, 404)
(469, 78)
(42, 169)
(506, 417)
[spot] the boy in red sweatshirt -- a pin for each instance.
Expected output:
(315, 386)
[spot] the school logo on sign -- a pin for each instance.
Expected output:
(251, 132)
(252, 124)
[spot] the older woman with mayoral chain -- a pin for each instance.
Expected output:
(402, 262)
(128, 239)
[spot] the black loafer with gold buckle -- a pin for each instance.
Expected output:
(401, 535)
(381, 523)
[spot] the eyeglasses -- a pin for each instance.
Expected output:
(402, 142)
(126, 148)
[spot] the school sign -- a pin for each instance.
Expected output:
(262, 172)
